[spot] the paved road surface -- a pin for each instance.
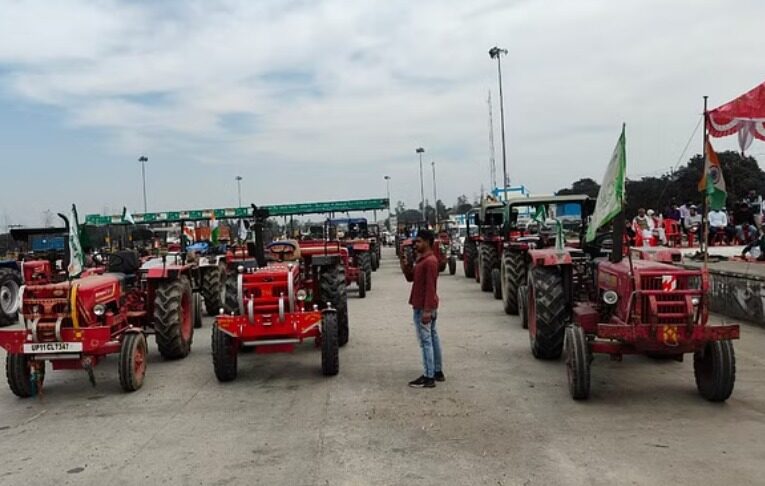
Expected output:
(501, 418)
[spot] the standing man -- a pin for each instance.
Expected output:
(424, 301)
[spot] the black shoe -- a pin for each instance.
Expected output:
(439, 376)
(423, 382)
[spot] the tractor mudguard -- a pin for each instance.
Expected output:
(550, 257)
(361, 247)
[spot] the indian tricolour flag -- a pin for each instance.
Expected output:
(712, 181)
(214, 230)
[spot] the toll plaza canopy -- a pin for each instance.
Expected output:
(246, 212)
(744, 115)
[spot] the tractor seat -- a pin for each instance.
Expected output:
(127, 262)
(281, 250)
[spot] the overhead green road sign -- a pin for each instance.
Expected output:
(328, 207)
(233, 213)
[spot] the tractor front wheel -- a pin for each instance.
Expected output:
(225, 354)
(132, 361)
(211, 289)
(523, 305)
(513, 276)
(496, 283)
(488, 261)
(362, 285)
(18, 371)
(546, 332)
(578, 359)
(365, 262)
(333, 290)
(330, 360)
(375, 262)
(452, 265)
(715, 370)
(469, 257)
(173, 319)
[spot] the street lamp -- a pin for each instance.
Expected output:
(143, 159)
(238, 180)
(496, 52)
(435, 194)
(421, 151)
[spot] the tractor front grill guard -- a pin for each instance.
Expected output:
(674, 297)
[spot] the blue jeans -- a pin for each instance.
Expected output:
(427, 335)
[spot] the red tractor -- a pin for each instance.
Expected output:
(470, 247)
(448, 245)
(293, 293)
(590, 300)
(490, 240)
(361, 254)
(76, 323)
(440, 250)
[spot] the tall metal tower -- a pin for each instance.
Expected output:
(492, 161)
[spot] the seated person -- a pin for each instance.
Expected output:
(692, 222)
(646, 224)
(746, 230)
(718, 222)
(760, 244)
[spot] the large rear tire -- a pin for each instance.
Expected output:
(715, 370)
(211, 289)
(513, 276)
(365, 264)
(10, 282)
(496, 283)
(470, 255)
(362, 285)
(224, 354)
(173, 318)
(132, 361)
(546, 336)
(330, 357)
(452, 265)
(488, 256)
(375, 261)
(18, 371)
(196, 299)
(230, 293)
(578, 359)
(332, 289)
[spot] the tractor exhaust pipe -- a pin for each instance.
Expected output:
(260, 215)
(618, 244)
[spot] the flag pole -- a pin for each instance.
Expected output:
(703, 243)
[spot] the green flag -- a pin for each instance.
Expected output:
(540, 216)
(611, 195)
(76, 257)
(126, 216)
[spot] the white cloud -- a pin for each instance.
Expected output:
(345, 91)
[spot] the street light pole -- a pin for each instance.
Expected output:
(421, 151)
(143, 159)
(387, 183)
(239, 189)
(496, 52)
(435, 194)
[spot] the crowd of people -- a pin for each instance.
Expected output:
(739, 225)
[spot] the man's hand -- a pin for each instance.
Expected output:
(427, 316)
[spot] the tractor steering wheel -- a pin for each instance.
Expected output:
(114, 260)
(281, 248)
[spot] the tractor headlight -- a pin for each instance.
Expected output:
(610, 297)
(695, 301)
(36, 309)
(99, 309)
(302, 295)
(240, 269)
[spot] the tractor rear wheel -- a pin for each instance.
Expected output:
(375, 262)
(332, 289)
(452, 265)
(132, 361)
(578, 359)
(488, 261)
(211, 289)
(513, 276)
(10, 282)
(362, 285)
(224, 354)
(496, 283)
(546, 334)
(18, 371)
(715, 370)
(330, 359)
(523, 303)
(230, 294)
(173, 318)
(470, 254)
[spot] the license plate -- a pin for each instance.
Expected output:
(42, 348)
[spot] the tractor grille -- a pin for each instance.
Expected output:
(670, 293)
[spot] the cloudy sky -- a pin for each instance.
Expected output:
(318, 100)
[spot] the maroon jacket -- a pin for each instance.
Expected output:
(424, 278)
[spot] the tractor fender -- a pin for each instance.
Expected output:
(549, 257)
(325, 260)
(167, 272)
(361, 247)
